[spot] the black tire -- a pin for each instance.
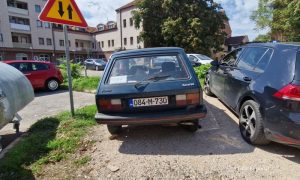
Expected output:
(52, 84)
(206, 87)
(251, 124)
(114, 130)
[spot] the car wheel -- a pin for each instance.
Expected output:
(251, 124)
(52, 85)
(97, 68)
(114, 130)
(206, 86)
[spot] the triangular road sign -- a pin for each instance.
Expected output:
(63, 12)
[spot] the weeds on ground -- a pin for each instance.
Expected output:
(50, 140)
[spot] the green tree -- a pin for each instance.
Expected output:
(282, 17)
(195, 25)
(263, 38)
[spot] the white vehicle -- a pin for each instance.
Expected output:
(198, 59)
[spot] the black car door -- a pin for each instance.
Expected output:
(219, 74)
(251, 63)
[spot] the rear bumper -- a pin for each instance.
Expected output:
(276, 137)
(174, 116)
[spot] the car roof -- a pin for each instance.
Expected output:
(27, 61)
(276, 45)
(147, 51)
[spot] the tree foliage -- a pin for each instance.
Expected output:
(263, 38)
(195, 25)
(281, 16)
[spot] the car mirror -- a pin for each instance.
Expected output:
(215, 63)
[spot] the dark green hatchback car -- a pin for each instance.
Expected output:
(149, 86)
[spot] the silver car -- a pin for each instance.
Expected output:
(95, 64)
(199, 59)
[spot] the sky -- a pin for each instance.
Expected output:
(238, 11)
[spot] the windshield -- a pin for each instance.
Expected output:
(203, 57)
(133, 70)
(100, 61)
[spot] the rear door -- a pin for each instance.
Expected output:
(40, 73)
(251, 64)
(25, 68)
(219, 74)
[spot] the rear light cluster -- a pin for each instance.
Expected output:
(110, 104)
(188, 99)
(289, 92)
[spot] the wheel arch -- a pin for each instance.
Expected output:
(247, 97)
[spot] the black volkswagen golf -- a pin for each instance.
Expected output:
(149, 86)
(261, 83)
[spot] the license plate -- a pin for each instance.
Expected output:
(146, 102)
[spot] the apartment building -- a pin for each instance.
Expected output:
(23, 36)
(121, 34)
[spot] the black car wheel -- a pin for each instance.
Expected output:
(206, 86)
(251, 123)
(114, 130)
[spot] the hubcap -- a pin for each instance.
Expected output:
(247, 120)
(53, 85)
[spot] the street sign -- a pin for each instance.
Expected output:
(63, 12)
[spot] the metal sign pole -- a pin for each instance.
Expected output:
(69, 69)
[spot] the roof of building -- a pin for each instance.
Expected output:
(236, 40)
(131, 4)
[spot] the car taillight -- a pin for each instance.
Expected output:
(110, 104)
(188, 99)
(289, 92)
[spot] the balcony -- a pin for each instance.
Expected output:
(18, 11)
(22, 45)
(22, 27)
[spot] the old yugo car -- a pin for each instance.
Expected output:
(149, 86)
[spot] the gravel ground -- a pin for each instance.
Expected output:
(158, 152)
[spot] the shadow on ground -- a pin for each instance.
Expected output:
(220, 135)
(40, 93)
(31, 148)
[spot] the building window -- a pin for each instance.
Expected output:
(131, 40)
(131, 22)
(44, 57)
(108, 43)
(49, 42)
(93, 45)
(125, 41)
(112, 43)
(61, 42)
(102, 43)
(39, 23)
(124, 23)
(81, 44)
(46, 25)
(41, 41)
(1, 37)
(99, 44)
(37, 8)
(69, 43)
(21, 56)
(15, 39)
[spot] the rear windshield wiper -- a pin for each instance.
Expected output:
(145, 82)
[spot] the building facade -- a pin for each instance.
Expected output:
(23, 36)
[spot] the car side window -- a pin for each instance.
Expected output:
(264, 61)
(251, 57)
(24, 67)
(39, 67)
(193, 58)
(231, 58)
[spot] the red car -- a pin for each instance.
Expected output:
(40, 74)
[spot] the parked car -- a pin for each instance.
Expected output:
(261, 83)
(95, 64)
(199, 59)
(40, 74)
(144, 87)
(15, 93)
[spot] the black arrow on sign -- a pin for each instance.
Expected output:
(70, 10)
(60, 9)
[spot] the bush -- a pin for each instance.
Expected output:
(76, 70)
(202, 70)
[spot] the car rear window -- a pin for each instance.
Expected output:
(297, 72)
(133, 70)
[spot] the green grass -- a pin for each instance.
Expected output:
(50, 140)
(84, 84)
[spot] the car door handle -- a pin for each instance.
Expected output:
(247, 79)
